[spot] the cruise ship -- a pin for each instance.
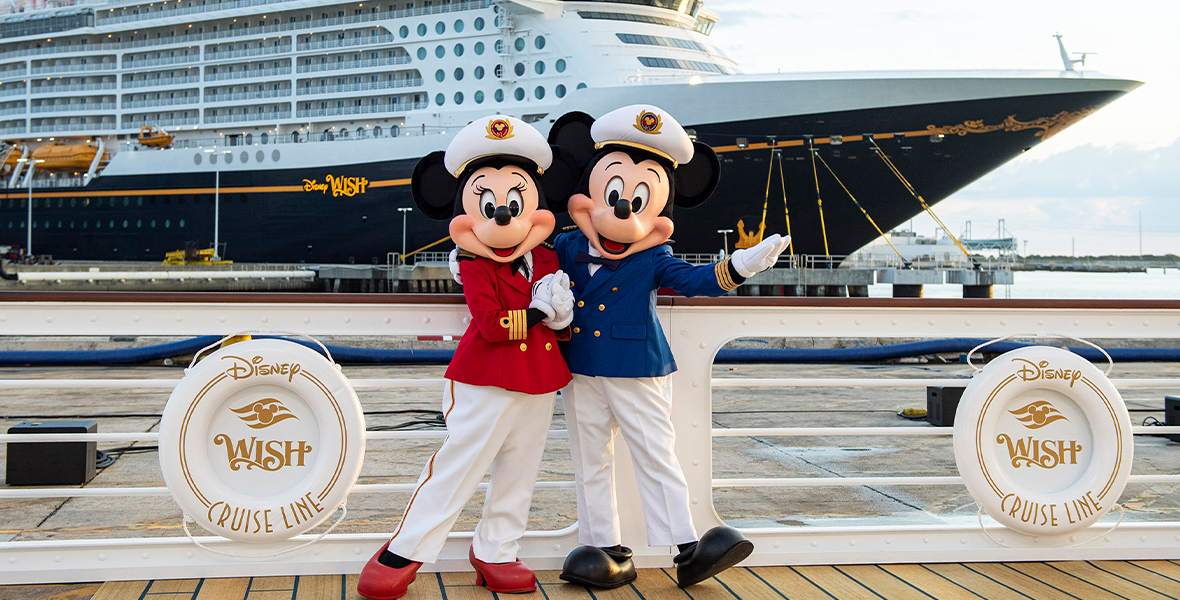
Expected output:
(287, 130)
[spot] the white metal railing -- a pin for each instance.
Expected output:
(130, 84)
(701, 329)
(137, 121)
(161, 102)
(74, 68)
(212, 55)
(159, 62)
(90, 107)
(71, 127)
(246, 118)
(13, 111)
(362, 40)
(363, 109)
(354, 64)
(247, 74)
(11, 130)
(14, 90)
(279, 93)
(361, 87)
(80, 87)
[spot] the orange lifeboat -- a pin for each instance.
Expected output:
(11, 154)
(65, 157)
(154, 137)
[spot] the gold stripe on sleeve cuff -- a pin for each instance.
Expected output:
(726, 282)
(519, 329)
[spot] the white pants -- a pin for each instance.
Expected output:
(487, 428)
(596, 408)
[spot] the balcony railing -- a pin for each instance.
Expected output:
(12, 130)
(248, 95)
(75, 68)
(132, 122)
(249, 118)
(77, 87)
(13, 111)
(71, 127)
(212, 55)
(363, 109)
(360, 87)
(13, 90)
(161, 102)
(354, 64)
(247, 74)
(157, 62)
(89, 107)
(130, 85)
(363, 40)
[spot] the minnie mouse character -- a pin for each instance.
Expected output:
(636, 163)
(503, 379)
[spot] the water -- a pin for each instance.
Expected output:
(1154, 284)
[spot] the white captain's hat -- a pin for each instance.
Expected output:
(646, 127)
(497, 135)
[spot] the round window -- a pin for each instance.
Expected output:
(459, 26)
(439, 51)
(499, 95)
(458, 74)
(479, 97)
(440, 28)
(479, 23)
(458, 97)
(539, 42)
(519, 94)
(404, 32)
(421, 53)
(259, 156)
(499, 46)
(479, 72)
(519, 69)
(440, 75)
(479, 48)
(519, 44)
(274, 155)
(458, 49)
(249, 139)
(440, 99)
(265, 139)
(560, 65)
(197, 159)
(245, 157)
(560, 91)
(581, 86)
(539, 67)
(229, 157)
(539, 92)
(422, 29)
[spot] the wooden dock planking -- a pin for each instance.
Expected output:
(1067, 580)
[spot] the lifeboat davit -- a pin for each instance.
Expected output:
(11, 154)
(154, 137)
(65, 157)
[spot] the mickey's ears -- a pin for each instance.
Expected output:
(696, 179)
(434, 188)
(561, 179)
(572, 133)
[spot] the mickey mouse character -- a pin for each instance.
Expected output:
(503, 379)
(637, 163)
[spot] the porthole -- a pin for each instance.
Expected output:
(138, 201)
(265, 139)
(519, 94)
(259, 156)
(499, 95)
(479, 48)
(245, 157)
(496, 21)
(479, 72)
(36, 203)
(439, 51)
(213, 159)
(458, 97)
(126, 201)
(440, 28)
(560, 65)
(124, 223)
(539, 92)
(560, 91)
(404, 32)
(458, 49)
(519, 69)
(139, 224)
(421, 29)
(73, 203)
(61, 202)
(167, 223)
(539, 67)
(85, 224)
(421, 53)
(479, 97)
(458, 74)
(111, 225)
(72, 223)
(249, 139)
(97, 203)
(197, 158)
(59, 225)
(229, 157)
(499, 46)
(153, 224)
(479, 23)
(539, 42)
(499, 71)
(182, 200)
(274, 155)
(581, 86)
(440, 99)
(181, 223)
(440, 75)
(519, 44)
(459, 26)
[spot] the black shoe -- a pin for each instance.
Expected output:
(599, 567)
(719, 549)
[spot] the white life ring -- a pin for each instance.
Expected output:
(262, 440)
(1043, 441)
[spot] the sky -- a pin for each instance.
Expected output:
(1086, 189)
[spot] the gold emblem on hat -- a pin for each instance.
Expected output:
(649, 122)
(499, 129)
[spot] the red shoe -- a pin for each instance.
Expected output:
(379, 582)
(503, 578)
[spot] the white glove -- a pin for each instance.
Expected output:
(543, 297)
(453, 265)
(562, 301)
(759, 258)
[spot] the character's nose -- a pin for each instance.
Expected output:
(623, 209)
(502, 215)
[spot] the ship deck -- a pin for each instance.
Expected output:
(1092, 580)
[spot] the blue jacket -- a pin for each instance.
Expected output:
(615, 332)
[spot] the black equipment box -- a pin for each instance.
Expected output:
(1172, 415)
(51, 463)
(941, 404)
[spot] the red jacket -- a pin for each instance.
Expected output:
(498, 348)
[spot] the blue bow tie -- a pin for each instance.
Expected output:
(610, 263)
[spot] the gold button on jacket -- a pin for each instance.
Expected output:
(524, 347)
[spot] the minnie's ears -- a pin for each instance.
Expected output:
(561, 179)
(434, 188)
(572, 133)
(696, 179)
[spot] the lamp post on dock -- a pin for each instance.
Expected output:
(29, 218)
(725, 240)
(405, 210)
(217, 201)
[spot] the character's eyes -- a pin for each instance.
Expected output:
(487, 203)
(515, 202)
(614, 191)
(639, 198)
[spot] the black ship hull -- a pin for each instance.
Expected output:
(297, 216)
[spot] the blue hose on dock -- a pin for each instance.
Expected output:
(347, 354)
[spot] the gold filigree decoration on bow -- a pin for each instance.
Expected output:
(1048, 126)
